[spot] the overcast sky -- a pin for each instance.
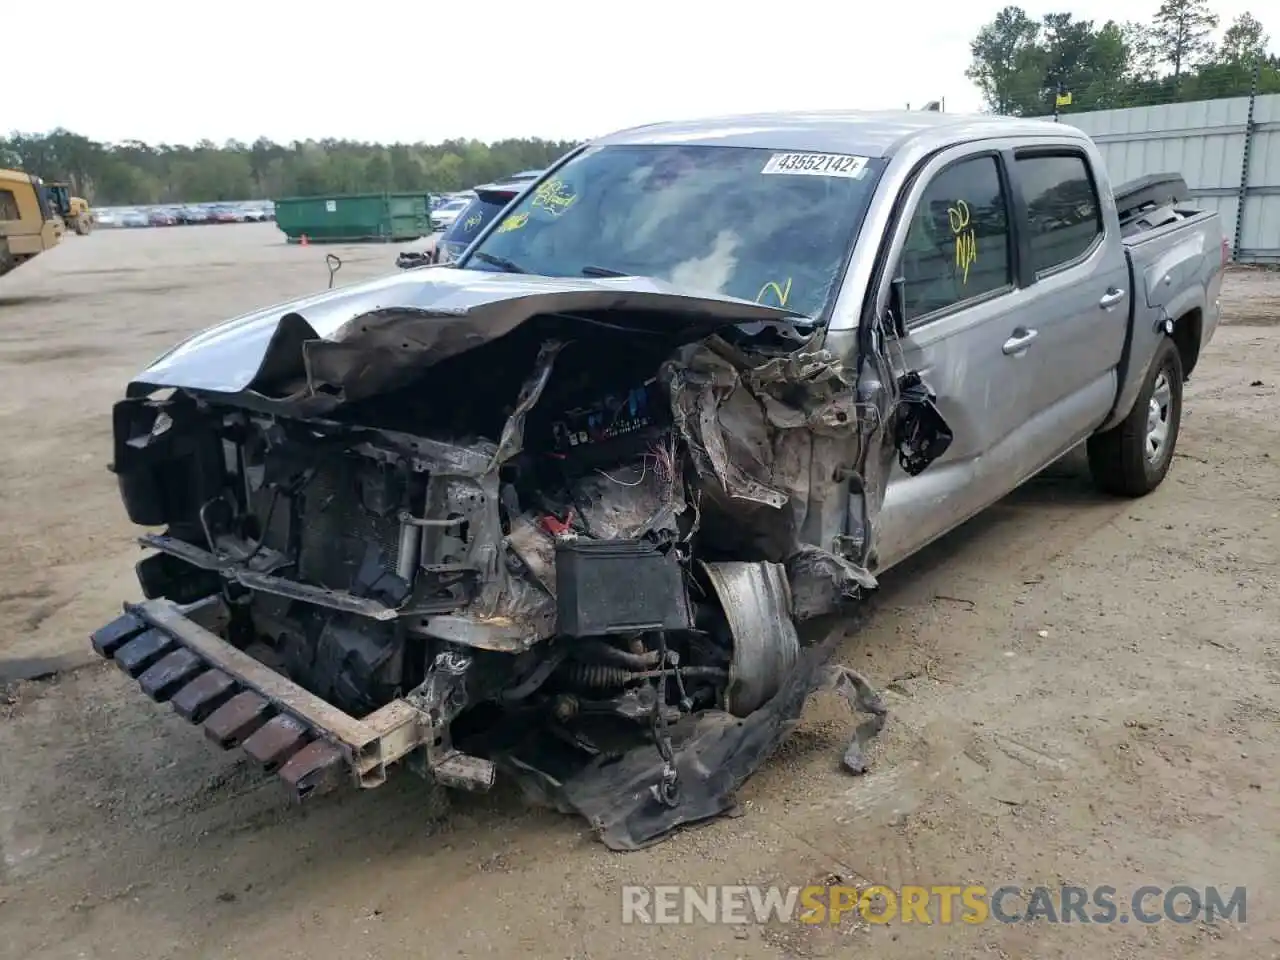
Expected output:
(389, 71)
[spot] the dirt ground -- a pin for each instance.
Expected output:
(1083, 690)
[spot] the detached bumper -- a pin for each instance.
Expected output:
(313, 746)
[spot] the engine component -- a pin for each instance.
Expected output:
(611, 417)
(618, 586)
(756, 601)
(595, 676)
(597, 651)
(635, 704)
(348, 660)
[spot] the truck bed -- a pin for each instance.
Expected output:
(1175, 272)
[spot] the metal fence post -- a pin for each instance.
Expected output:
(1243, 194)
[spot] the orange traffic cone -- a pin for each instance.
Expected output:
(304, 240)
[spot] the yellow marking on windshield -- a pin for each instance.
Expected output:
(783, 293)
(471, 222)
(553, 197)
(513, 222)
(961, 221)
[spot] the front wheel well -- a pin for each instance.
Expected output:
(1186, 337)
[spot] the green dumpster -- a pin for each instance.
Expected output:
(354, 217)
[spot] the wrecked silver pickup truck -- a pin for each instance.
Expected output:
(566, 509)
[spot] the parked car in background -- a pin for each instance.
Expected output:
(161, 217)
(134, 218)
(446, 245)
(222, 213)
(442, 217)
(192, 214)
(490, 199)
(106, 218)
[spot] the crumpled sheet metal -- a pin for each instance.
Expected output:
(512, 440)
(773, 443)
(879, 406)
(525, 601)
(309, 356)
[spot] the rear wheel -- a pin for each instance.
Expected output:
(1132, 458)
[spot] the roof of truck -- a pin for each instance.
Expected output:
(17, 176)
(862, 132)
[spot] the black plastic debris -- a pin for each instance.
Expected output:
(921, 434)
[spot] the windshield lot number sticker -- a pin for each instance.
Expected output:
(816, 164)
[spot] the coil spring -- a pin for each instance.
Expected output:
(595, 675)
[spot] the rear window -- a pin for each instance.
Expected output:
(478, 214)
(1062, 208)
(9, 206)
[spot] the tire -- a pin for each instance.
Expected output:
(1123, 460)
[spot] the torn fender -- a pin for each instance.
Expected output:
(779, 445)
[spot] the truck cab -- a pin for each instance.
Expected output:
(29, 223)
(73, 210)
(1038, 322)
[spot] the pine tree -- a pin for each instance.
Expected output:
(1245, 41)
(1181, 31)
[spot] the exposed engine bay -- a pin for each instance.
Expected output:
(585, 548)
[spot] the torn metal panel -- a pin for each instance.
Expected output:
(512, 437)
(779, 443)
(878, 397)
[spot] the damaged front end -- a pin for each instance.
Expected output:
(569, 530)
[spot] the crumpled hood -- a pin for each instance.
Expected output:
(355, 341)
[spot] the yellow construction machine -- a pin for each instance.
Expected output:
(74, 210)
(31, 217)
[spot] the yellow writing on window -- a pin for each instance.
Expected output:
(471, 223)
(782, 293)
(554, 197)
(961, 221)
(513, 222)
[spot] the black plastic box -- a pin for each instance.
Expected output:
(618, 586)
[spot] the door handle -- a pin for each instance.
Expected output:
(1018, 342)
(1111, 298)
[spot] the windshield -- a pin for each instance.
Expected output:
(478, 215)
(752, 223)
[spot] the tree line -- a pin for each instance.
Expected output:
(1028, 66)
(132, 172)
(1023, 65)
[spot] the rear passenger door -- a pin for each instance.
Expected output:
(1076, 301)
(955, 254)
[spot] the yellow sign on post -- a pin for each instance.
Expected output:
(1064, 99)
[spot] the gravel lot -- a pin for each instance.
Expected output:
(1083, 691)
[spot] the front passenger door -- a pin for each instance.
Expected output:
(956, 262)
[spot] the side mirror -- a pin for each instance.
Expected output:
(895, 319)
